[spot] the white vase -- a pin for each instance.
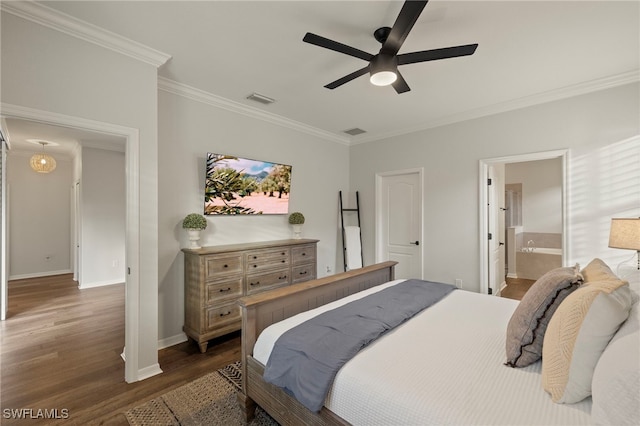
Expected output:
(297, 231)
(194, 237)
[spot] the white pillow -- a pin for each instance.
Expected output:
(616, 379)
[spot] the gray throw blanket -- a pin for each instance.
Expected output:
(306, 358)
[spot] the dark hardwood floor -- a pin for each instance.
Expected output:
(61, 351)
(516, 288)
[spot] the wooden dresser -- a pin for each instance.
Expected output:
(215, 277)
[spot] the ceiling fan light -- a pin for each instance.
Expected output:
(383, 78)
(383, 69)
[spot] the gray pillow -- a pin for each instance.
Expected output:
(525, 332)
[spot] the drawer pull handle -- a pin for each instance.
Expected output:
(282, 261)
(255, 257)
(255, 266)
(283, 253)
(256, 283)
(223, 290)
(226, 266)
(304, 254)
(225, 314)
(282, 278)
(303, 273)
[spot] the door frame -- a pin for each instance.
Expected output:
(378, 212)
(4, 240)
(482, 205)
(132, 244)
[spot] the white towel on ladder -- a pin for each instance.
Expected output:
(352, 246)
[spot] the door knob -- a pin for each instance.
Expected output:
(500, 243)
(417, 243)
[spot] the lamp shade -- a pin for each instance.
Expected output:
(625, 233)
(42, 163)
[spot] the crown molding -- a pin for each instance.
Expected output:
(527, 101)
(207, 98)
(67, 24)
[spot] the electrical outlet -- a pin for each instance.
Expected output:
(459, 282)
(328, 269)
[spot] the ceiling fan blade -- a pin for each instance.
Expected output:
(347, 78)
(400, 84)
(335, 46)
(406, 19)
(435, 54)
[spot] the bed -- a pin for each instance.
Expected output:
(452, 374)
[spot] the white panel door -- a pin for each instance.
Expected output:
(400, 222)
(496, 237)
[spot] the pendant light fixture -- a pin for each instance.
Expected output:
(43, 163)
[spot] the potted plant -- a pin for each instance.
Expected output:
(296, 219)
(194, 223)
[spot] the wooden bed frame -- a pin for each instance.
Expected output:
(261, 310)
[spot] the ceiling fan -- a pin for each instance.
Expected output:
(383, 67)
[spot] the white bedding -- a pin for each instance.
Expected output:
(444, 366)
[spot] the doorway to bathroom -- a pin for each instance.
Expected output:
(523, 215)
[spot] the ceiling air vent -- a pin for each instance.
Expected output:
(265, 100)
(355, 131)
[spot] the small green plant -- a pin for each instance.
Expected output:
(296, 218)
(194, 221)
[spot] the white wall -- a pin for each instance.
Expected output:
(103, 217)
(47, 70)
(541, 193)
(39, 228)
(190, 129)
(589, 125)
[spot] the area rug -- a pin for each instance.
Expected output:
(209, 400)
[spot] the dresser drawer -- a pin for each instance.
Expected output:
(221, 291)
(303, 254)
(260, 282)
(219, 265)
(222, 315)
(303, 273)
(268, 258)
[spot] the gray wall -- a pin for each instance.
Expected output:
(190, 129)
(541, 194)
(592, 126)
(103, 217)
(40, 224)
(47, 70)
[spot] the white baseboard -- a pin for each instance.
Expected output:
(512, 275)
(173, 340)
(100, 283)
(40, 274)
(149, 371)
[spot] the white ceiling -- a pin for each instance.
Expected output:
(529, 52)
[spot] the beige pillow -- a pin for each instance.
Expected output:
(597, 270)
(577, 335)
(527, 326)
